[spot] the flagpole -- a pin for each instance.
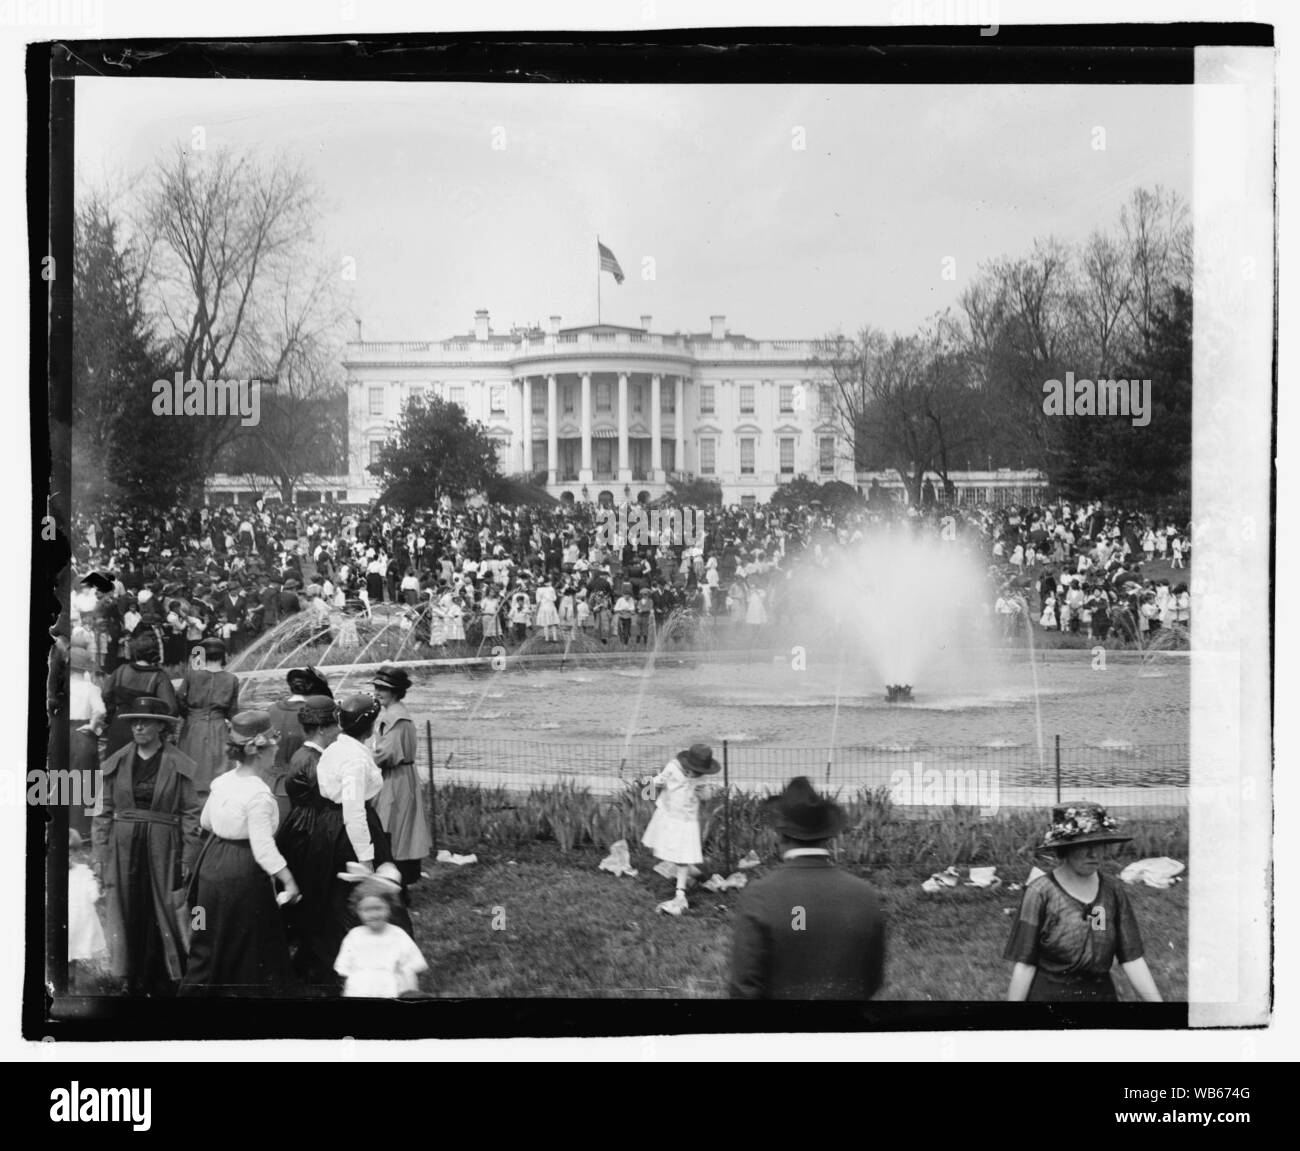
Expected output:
(598, 278)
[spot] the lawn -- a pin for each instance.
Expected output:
(538, 923)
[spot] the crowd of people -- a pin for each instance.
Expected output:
(292, 829)
(460, 580)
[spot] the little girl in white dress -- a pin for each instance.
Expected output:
(378, 960)
(673, 833)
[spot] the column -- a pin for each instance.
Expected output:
(584, 472)
(552, 431)
(679, 422)
(624, 461)
(656, 432)
(528, 426)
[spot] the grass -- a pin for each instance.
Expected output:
(540, 922)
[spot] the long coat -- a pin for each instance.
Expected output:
(810, 930)
(170, 830)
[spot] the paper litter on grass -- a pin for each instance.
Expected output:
(1158, 871)
(734, 880)
(751, 860)
(445, 856)
(949, 877)
(618, 862)
(984, 877)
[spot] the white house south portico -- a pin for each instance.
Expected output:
(608, 407)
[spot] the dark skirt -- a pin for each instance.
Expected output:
(1050, 988)
(316, 848)
(241, 948)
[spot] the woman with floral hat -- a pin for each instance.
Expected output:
(1075, 921)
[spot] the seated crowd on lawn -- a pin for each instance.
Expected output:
(503, 575)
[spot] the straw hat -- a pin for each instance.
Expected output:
(1082, 822)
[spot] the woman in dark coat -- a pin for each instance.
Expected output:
(207, 697)
(317, 838)
(240, 947)
(131, 681)
(146, 843)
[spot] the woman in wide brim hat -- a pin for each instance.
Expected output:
(242, 949)
(1076, 920)
(401, 802)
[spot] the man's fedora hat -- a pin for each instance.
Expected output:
(698, 758)
(150, 707)
(800, 813)
(213, 647)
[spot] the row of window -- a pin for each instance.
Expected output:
(708, 454)
(792, 398)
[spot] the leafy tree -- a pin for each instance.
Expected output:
(1108, 455)
(436, 451)
(120, 449)
(697, 493)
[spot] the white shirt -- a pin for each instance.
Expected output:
(85, 701)
(242, 807)
(795, 852)
(348, 775)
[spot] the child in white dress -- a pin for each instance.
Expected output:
(673, 833)
(378, 960)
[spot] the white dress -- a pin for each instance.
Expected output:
(379, 964)
(85, 932)
(547, 615)
(674, 830)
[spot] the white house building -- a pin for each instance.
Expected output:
(611, 409)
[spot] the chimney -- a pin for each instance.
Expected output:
(719, 327)
(555, 325)
(645, 322)
(481, 329)
(358, 331)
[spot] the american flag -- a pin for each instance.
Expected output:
(609, 263)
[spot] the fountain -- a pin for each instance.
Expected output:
(898, 693)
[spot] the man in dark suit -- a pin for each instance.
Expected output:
(810, 930)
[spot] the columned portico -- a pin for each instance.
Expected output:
(656, 432)
(584, 472)
(528, 425)
(552, 430)
(624, 460)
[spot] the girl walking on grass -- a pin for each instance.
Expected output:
(673, 833)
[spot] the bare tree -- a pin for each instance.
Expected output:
(1158, 245)
(231, 232)
(1102, 300)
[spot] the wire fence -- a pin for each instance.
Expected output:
(917, 776)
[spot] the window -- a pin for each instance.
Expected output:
(604, 396)
(377, 401)
(746, 399)
(567, 393)
(707, 457)
(415, 392)
(825, 401)
(376, 446)
(826, 454)
(747, 456)
(706, 399)
(638, 403)
(498, 399)
(787, 455)
(748, 501)
(539, 400)
(456, 394)
(668, 397)
(787, 397)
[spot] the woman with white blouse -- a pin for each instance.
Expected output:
(238, 945)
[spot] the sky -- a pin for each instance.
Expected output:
(704, 187)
